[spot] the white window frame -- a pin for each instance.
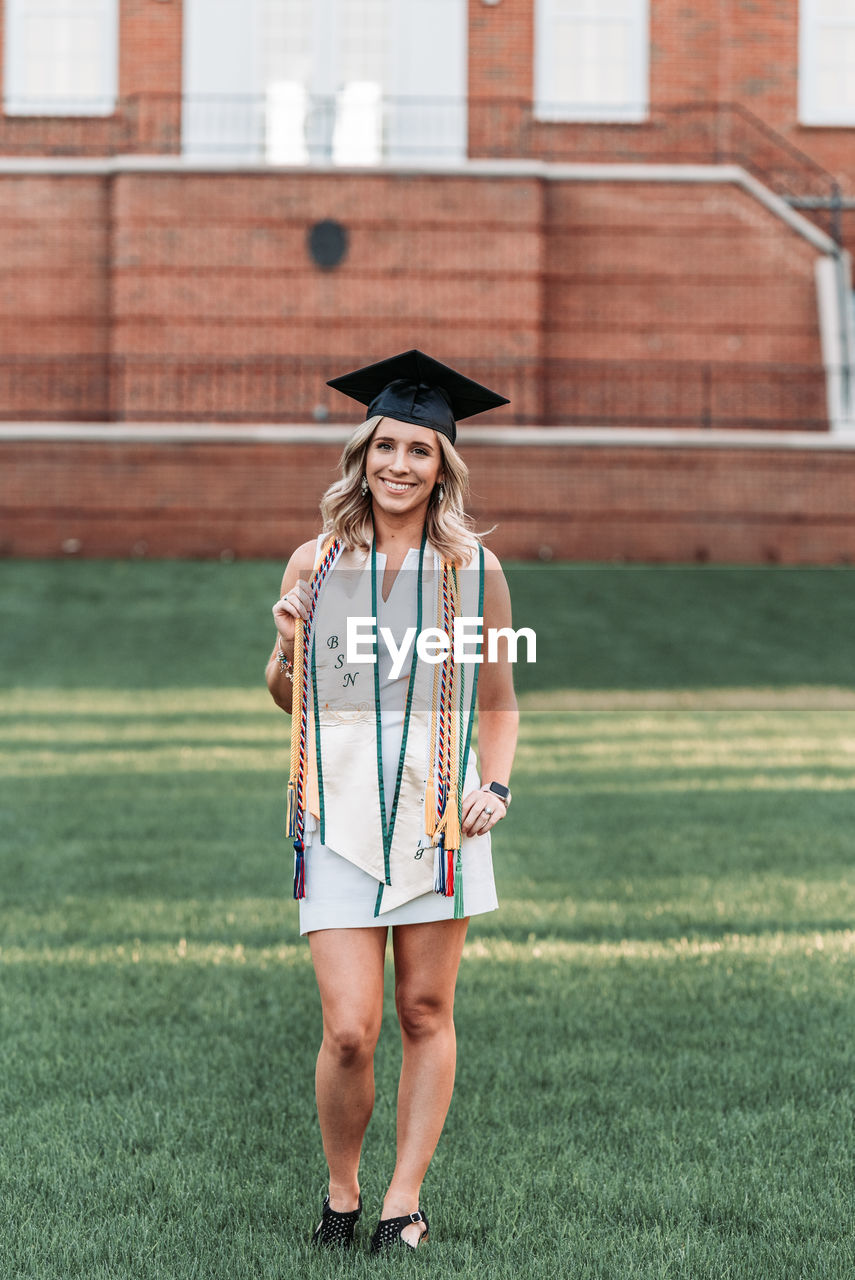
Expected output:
(18, 103)
(810, 112)
(548, 106)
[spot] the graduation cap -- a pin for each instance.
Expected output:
(412, 387)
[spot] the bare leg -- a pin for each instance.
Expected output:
(427, 957)
(349, 969)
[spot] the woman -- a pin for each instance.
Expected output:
(390, 818)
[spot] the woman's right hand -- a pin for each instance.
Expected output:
(293, 605)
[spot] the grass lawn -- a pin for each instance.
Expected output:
(655, 1030)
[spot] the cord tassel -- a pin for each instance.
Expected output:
(451, 822)
(290, 811)
(458, 887)
(439, 866)
(299, 871)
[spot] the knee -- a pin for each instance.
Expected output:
(422, 1015)
(351, 1043)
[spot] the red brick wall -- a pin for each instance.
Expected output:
(200, 291)
(217, 266)
(671, 270)
(501, 50)
(577, 502)
(150, 47)
(150, 70)
(54, 296)
(653, 273)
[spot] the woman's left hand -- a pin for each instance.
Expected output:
(481, 811)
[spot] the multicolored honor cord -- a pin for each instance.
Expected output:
(442, 800)
(450, 744)
(294, 815)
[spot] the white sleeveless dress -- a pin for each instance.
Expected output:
(340, 895)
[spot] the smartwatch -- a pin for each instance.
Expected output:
(504, 793)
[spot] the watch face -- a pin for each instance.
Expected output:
(500, 791)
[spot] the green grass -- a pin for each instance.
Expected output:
(655, 1030)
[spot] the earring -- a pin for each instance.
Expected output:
(364, 485)
(441, 494)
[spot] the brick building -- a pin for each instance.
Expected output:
(631, 216)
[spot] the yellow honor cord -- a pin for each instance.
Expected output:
(298, 744)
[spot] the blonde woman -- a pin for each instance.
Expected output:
(390, 818)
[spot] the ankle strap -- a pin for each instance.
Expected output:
(348, 1213)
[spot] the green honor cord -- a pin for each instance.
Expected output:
(472, 703)
(389, 830)
(464, 755)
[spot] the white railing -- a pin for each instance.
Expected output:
(356, 126)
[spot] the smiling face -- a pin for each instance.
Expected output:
(402, 465)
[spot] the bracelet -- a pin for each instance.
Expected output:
(285, 663)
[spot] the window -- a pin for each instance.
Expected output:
(327, 81)
(826, 62)
(61, 57)
(591, 59)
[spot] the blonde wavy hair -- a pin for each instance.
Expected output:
(346, 511)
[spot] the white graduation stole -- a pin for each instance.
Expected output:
(382, 833)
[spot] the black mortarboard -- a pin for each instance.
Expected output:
(411, 387)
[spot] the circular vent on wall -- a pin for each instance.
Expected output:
(328, 243)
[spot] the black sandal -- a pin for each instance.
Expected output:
(388, 1232)
(336, 1229)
